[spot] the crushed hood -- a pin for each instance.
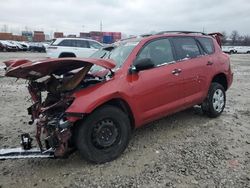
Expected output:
(29, 70)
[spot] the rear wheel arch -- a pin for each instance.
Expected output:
(221, 79)
(67, 54)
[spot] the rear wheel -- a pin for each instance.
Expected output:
(232, 52)
(103, 135)
(215, 102)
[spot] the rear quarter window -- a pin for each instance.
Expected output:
(207, 44)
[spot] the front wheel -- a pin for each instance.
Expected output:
(103, 135)
(215, 102)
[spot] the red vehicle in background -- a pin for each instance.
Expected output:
(93, 104)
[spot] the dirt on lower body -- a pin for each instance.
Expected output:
(187, 149)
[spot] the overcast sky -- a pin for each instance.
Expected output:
(127, 16)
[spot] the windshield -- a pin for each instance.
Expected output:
(117, 53)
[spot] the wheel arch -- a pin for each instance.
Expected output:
(221, 79)
(67, 54)
(121, 104)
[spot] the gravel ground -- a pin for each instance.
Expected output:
(187, 149)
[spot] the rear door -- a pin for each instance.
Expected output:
(66, 45)
(210, 59)
(193, 68)
(83, 48)
(157, 91)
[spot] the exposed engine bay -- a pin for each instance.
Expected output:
(51, 95)
(49, 114)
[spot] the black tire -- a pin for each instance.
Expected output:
(213, 106)
(107, 122)
(62, 55)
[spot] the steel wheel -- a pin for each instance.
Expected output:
(218, 100)
(215, 102)
(105, 134)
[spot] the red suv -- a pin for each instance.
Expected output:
(93, 104)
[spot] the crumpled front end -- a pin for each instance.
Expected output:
(52, 84)
(53, 130)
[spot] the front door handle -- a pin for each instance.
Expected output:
(176, 72)
(210, 63)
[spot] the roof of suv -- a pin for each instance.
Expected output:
(165, 33)
(58, 40)
(74, 38)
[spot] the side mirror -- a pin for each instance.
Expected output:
(141, 64)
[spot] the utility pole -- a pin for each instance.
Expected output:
(5, 28)
(203, 29)
(101, 26)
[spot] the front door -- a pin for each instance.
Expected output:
(157, 91)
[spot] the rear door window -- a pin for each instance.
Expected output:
(159, 51)
(74, 43)
(207, 44)
(82, 44)
(185, 47)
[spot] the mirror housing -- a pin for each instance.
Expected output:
(141, 64)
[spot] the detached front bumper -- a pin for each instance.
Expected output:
(26, 151)
(20, 153)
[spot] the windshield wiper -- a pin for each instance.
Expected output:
(103, 55)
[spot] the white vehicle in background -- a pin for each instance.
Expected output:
(229, 49)
(20, 45)
(46, 45)
(72, 47)
(242, 49)
(25, 46)
(9, 47)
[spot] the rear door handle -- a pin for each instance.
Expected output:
(210, 63)
(176, 72)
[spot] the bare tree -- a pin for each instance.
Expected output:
(224, 37)
(234, 37)
(246, 40)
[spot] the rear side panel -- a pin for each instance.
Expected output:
(222, 64)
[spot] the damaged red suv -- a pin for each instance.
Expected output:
(93, 104)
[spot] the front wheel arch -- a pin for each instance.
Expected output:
(95, 151)
(122, 105)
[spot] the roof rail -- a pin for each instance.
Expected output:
(181, 32)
